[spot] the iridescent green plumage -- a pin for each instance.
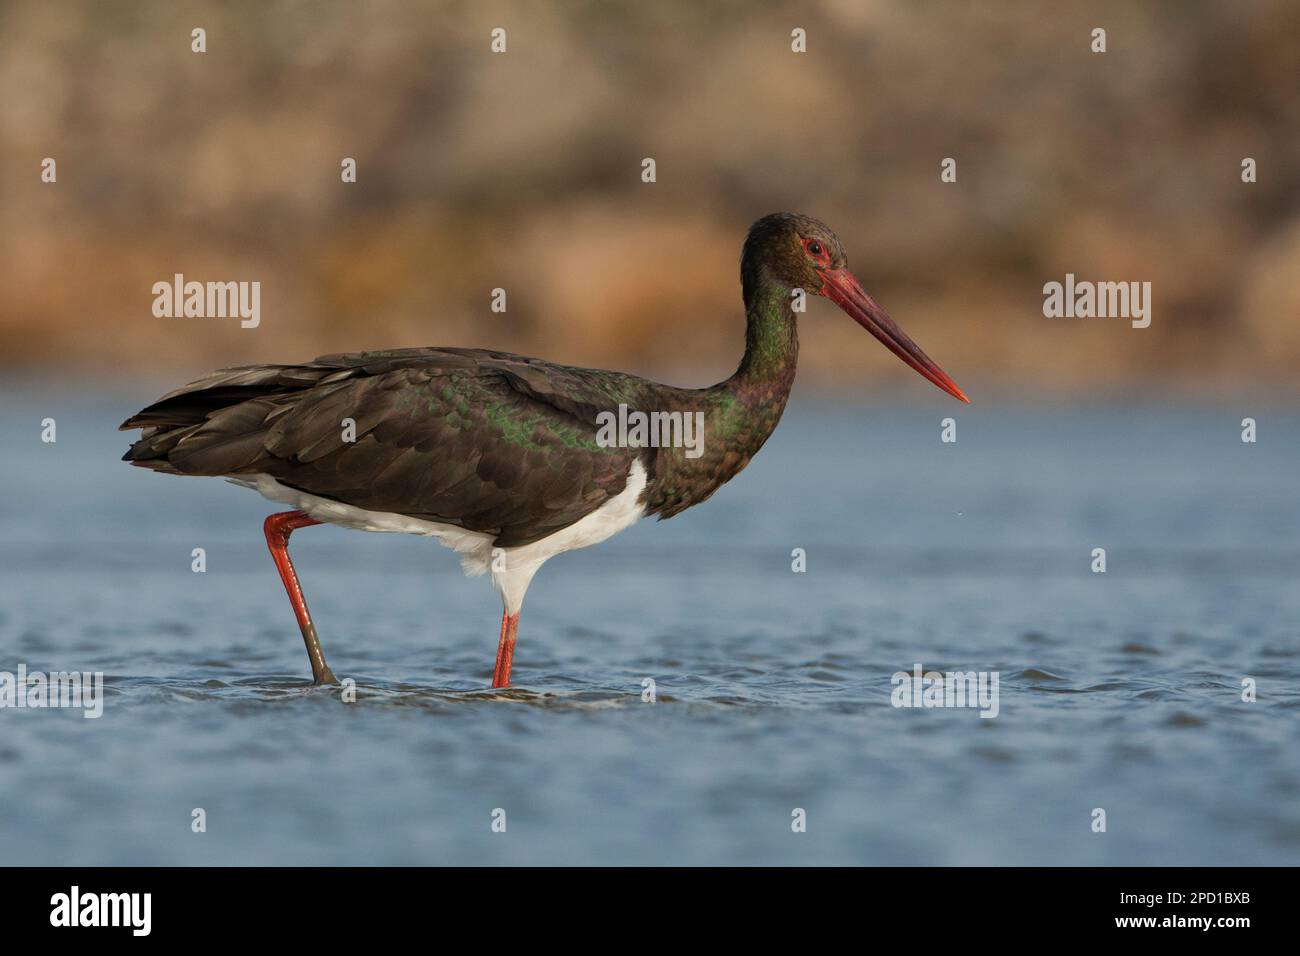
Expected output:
(486, 440)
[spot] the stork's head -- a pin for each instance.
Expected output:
(801, 252)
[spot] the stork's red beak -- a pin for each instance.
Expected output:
(842, 288)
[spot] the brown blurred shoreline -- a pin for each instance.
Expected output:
(522, 171)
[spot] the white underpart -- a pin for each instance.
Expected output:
(512, 568)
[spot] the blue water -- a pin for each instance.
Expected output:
(1119, 691)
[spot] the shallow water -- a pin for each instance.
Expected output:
(1119, 690)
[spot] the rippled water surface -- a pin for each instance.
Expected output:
(1119, 691)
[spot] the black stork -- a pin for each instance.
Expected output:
(499, 456)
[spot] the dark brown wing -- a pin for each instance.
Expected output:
(485, 440)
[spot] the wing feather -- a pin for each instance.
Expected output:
(486, 440)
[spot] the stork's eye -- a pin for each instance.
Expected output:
(816, 251)
(815, 248)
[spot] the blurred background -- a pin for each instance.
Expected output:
(522, 171)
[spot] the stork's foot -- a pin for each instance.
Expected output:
(505, 649)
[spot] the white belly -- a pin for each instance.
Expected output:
(512, 568)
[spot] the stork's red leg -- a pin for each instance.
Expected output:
(278, 527)
(505, 649)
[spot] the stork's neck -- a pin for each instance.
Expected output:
(766, 373)
(742, 411)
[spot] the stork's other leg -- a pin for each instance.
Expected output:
(505, 649)
(278, 527)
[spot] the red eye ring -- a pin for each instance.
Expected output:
(816, 251)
